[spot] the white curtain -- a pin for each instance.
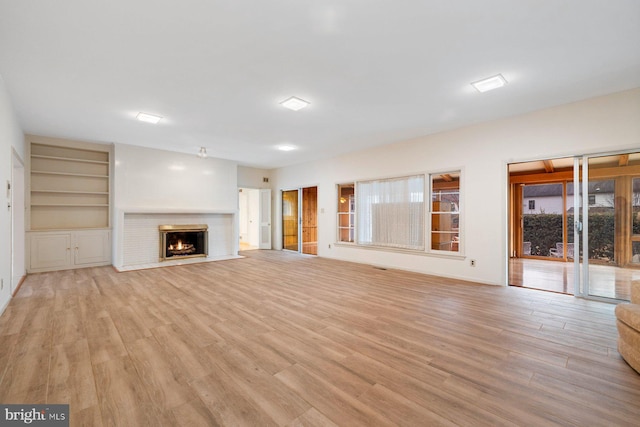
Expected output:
(390, 212)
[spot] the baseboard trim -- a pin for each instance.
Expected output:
(18, 287)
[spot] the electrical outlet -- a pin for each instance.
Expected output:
(329, 245)
(1, 284)
(473, 263)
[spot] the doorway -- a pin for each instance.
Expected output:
(254, 218)
(574, 225)
(300, 220)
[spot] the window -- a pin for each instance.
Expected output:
(445, 212)
(390, 212)
(346, 212)
(532, 205)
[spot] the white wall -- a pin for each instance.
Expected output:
(482, 151)
(10, 136)
(150, 178)
(156, 181)
(253, 178)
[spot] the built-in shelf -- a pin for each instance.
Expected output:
(69, 159)
(84, 175)
(70, 192)
(65, 205)
(69, 184)
(69, 198)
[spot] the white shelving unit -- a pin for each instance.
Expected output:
(68, 203)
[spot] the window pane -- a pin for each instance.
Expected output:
(346, 212)
(445, 212)
(542, 219)
(390, 212)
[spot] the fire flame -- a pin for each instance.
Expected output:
(178, 246)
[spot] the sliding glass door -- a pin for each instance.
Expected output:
(610, 239)
(575, 225)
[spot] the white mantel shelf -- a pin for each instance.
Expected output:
(187, 211)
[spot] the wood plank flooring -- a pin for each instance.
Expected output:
(556, 276)
(279, 338)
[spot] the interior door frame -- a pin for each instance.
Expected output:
(17, 200)
(282, 227)
(300, 191)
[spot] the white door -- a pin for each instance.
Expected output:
(265, 219)
(243, 215)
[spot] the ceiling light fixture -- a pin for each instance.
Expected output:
(294, 103)
(490, 83)
(202, 153)
(286, 148)
(149, 118)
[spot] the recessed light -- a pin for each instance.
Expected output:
(294, 103)
(490, 83)
(149, 118)
(286, 147)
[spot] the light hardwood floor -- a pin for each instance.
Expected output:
(279, 338)
(605, 280)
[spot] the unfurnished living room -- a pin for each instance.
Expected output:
(294, 213)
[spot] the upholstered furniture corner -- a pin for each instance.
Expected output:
(628, 322)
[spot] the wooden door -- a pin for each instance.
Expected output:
(310, 220)
(290, 220)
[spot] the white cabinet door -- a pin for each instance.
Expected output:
(92, 247)
(50, 251)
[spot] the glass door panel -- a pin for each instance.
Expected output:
(290, 220)
(542, 220)
(610, 212)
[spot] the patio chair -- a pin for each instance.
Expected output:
(570, 250)
(557, 252)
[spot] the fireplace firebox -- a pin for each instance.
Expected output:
(183, 241)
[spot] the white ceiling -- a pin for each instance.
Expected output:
(375, 72)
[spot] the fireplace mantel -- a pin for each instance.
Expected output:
(191, 211)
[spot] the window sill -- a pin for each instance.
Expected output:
(402, 251)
